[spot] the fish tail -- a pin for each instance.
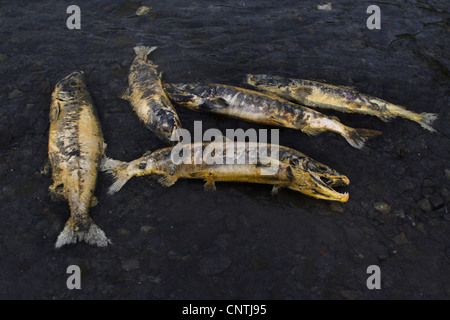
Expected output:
(79, 229)
(357, 137)
(118, 169)
(143, 50)
(426, 120)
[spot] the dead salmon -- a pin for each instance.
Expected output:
(262, 108)
(344, 99)
(75, 147)
(279, 166)
(148, 98)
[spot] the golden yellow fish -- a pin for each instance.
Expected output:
(148, 98)
(75, 148)
(275, 165)
(262, 108)
(344, 99)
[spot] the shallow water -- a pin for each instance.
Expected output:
(239, 242)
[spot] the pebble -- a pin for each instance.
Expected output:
(123, 232)
(447, 217)
(447, 173)
(214, 265)
(434, 222)
(424, 204)
(400, 239)
(351, 294)
(131, 264)
(382, 207)
(3, 57)
(15, 94)
(327, 6)
(141, 11)
(337, 207)
(436, 202)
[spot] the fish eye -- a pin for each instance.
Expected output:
(73, 83)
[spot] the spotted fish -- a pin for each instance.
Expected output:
(340, 98)
(148, 98)
(262, 108)
(276, 165)
(75, 148)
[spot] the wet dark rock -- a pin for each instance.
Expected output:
(447, 173)
(351, 294)
(3, 57)
(400, 239)
(434, 222)
(382, 207)
(130, 264)
(214, 265)
(406, 185)
(15, 94)
(337, 207)
(436, 202)
(424, 204)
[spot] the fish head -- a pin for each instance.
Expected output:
(318, 180)
(186, 94)
(166, 128)
(70, 87)
(264, 80)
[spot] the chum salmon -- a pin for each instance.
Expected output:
(340, 98)
(75, 148)
(148, 98)
(261, 108)
(275, 165)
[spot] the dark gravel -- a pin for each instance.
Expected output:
(240, 242)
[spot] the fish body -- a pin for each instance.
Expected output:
(148, 98)
(262, 108)
(75, 148)
(275, 165)
(344, 99)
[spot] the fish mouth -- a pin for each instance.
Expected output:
(318, 180)
(323, 185)
(66, 88)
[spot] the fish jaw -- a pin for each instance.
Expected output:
(317, 180)
(70, 87)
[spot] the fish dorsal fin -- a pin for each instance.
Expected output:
(210, 185)
(126, 94)
(54, 111)
(167, 181)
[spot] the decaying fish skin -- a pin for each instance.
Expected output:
(148, 98)
(290, 169)
(262, 108)
(75, 148)
(344, 99)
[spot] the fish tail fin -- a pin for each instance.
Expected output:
(79, 229)
(427, 119)
(118, 169)
(143, 50)
(357, 137)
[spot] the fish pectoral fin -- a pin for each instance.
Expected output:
(56, 191)
(275, 122)
(167, 181)
(126, 94)
(275, 190)
(94, 201)
(214, 104)
(210, 185)
(54, 111)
